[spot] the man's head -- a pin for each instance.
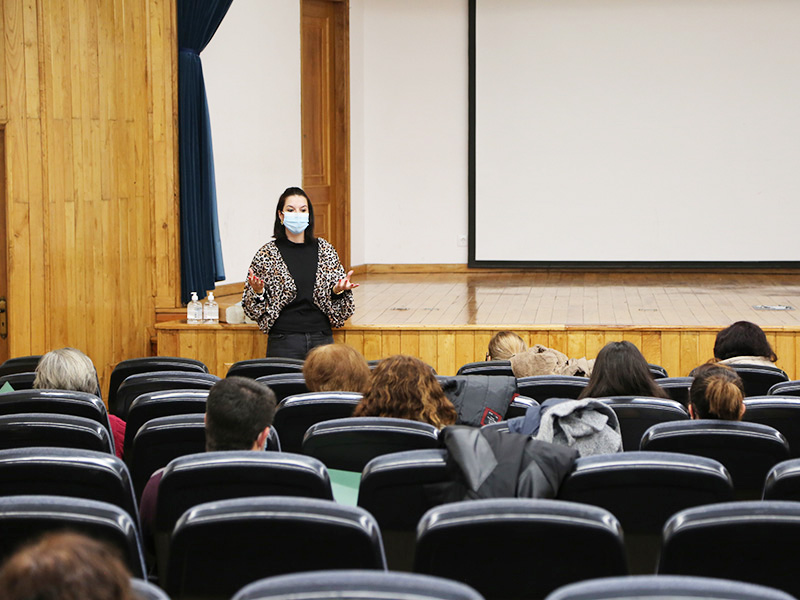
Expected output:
(239, 413)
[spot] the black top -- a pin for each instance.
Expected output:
(301, 315)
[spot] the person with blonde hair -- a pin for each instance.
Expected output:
(71, 369)
(717, 392)
(404, 387)
(65, 566)
(336, 368)
(504, 345)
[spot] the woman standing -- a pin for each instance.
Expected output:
(296, 288)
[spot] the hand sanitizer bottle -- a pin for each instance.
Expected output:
(211, 310)
(194, 311)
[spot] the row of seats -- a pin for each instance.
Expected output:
(218, 547)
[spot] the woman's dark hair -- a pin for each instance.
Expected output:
(279, 231)
(743, 338)
(717, 392)
(621, 370)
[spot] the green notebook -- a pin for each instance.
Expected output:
(345, 486)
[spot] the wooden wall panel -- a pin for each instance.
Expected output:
(88, 97)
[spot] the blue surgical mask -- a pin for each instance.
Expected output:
(296, 222)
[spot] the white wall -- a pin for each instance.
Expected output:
(252, 74)
(409, 138)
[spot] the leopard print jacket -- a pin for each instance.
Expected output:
(280, 289)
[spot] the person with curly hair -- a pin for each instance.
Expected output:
(404, 387)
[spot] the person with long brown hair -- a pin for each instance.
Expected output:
(717, 392)
(621, 370)
(336, 368)
(404, 387)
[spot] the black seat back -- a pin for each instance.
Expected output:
(144, 590)
(20, 364)
(296, 414)
(783, 481)
(677, 388)
(558, 542)
(260, 367)
(758, 379)
(285, 384)
(19, 381)
(747, 541)
(161, 404)
(637, 414)
(25, 518)
(63, 402)
(67, 472)
(149, 364)
(349, 444)
(487, 367)
(157, 381)
(519, 406)
(543, 387)
(263, 536)
(748, 450)
(657, 371)
(786, 388)
(47, 429)
(780, 412)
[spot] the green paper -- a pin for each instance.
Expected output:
(345, 486)
(6, 388)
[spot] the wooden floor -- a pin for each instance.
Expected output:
(447, 319)
(576, 299)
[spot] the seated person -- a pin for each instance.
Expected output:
(404, 387)
(504, 345)
(239, 414)
(71, 369)
(717, 392)
(65, 566)
(744, 343)
(621, 370)
(336, 368)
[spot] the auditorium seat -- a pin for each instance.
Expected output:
(519, 406)
(19, 381)
(259, 367)
(67, 472)
(161, 404)
(780, 412)
(786, 388)
(636, 414)
(337, 585)
(657, 371)
(643, 490)
(519, 547)
(758, 379)
(783, 481)
(285, 384)
(258, 537)
(20, 364)
(677, 388)
(62, 402)
(349, 444)
(397, 489)
(157, 381)
(752, 541)
(295, 414)
(25, 518)
(661, 587)
(501, 426)
(211, 476)
(487, 367)
(144, 590)
(149, 364)
(748, 450)
(542, 387)
(24, 430)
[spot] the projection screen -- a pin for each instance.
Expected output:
(634, 132)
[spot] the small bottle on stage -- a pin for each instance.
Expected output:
(211, 310)
(194, 311)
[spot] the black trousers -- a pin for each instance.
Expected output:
(296, 345)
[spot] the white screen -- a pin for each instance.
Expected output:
(637, 130)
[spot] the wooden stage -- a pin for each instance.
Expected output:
(447, 318)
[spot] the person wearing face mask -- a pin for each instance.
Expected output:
(296, 288)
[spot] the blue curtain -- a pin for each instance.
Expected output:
(201, 249)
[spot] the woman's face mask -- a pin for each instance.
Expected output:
(296, 222)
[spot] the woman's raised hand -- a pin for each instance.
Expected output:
(344, 284)
(256, 282)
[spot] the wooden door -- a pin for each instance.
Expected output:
(3, 252)
(326, 118)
